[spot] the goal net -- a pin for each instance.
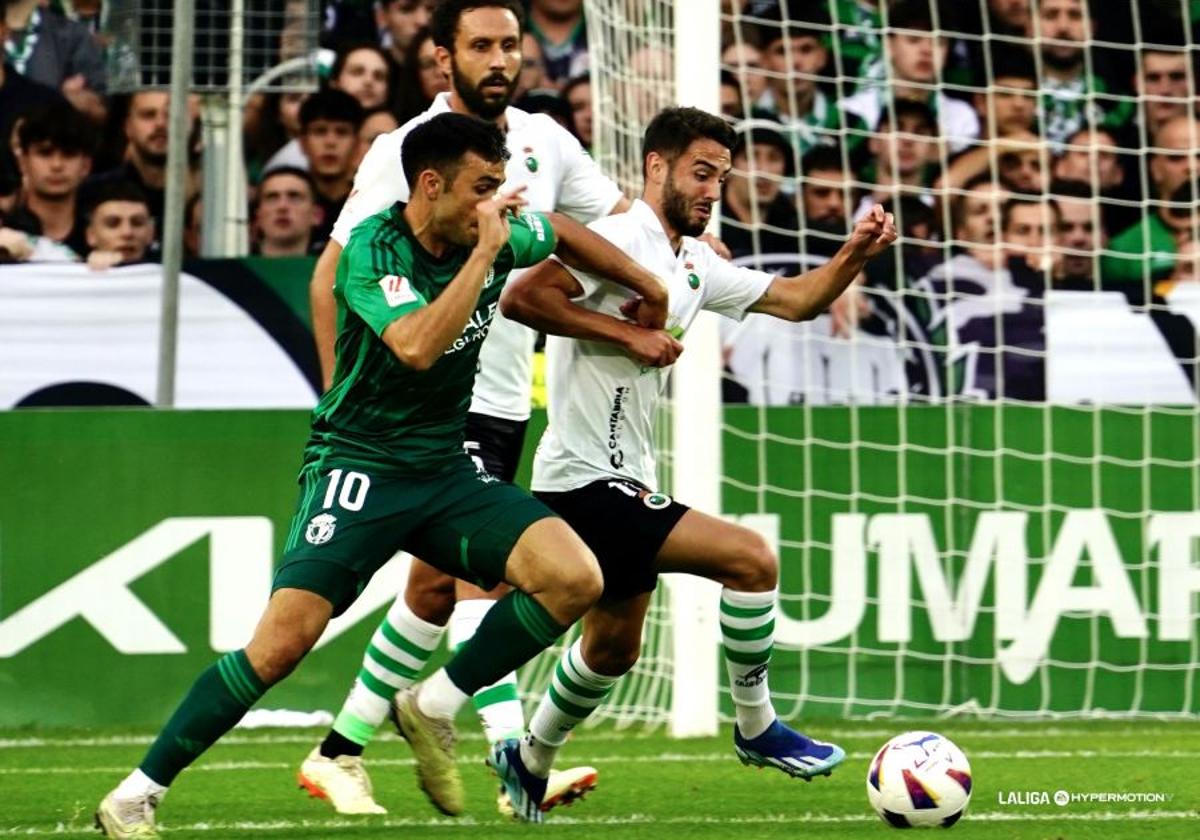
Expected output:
(981, 468)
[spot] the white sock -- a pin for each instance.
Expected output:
(137, 784)
(440, 697)
(748, 637)
(499, 704)
(573, 694)
(399, 649)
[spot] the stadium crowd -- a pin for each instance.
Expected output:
(1024, 145)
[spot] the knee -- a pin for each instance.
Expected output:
(274, 660)
(579, 583)
(757, 568)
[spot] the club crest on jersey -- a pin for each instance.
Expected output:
(656, 501)
(398, 291)
(320, 528)
(694, 280)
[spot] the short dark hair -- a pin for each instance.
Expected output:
(674, 129)
(332, 105)
(61, 126)
(804, 19)
(446, 14)
(822, 157)
(575, 81)
(294, 171)
(765, 133)
(907, 108)
(909, 14)
(1013, 63)
(1013, 202)
(1066, 188)
(339, 63)
(118, 190)
(441, 142)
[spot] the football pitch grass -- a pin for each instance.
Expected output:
(650, 786)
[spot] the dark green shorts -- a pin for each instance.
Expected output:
(348, 523)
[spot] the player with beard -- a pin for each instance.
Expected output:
(479, 48)
(595, 463)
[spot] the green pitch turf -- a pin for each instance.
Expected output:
(650, 786)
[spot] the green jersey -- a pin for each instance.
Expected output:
(379, 413)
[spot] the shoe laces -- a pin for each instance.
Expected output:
(139, 809)
(443, 730)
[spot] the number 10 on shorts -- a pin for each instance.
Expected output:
(353, 494)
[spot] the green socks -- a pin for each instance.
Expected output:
(221, 695)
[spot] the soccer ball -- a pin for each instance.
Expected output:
(919, 779)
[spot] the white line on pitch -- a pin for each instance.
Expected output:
(632, 819)
(662, 758)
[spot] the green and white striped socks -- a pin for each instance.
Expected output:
(747, 638)
(398, 651)
(498, 705)
(574, 692)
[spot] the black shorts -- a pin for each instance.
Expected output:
(495, 444)
(624, 525)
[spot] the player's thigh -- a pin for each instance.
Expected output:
(730, 554)
(429, 592)
(495, 444)
(478, 522)
(624, 524)
(612, 633)
(348, 523)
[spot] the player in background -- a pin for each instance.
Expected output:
(595, 463)
(384, 469)
(479, 48)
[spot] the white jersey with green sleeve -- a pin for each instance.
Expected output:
(558, 176)
(602, 401)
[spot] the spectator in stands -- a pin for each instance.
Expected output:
(363, 72)
(399, 23)
(57, 144)
(286, 214)
(1161, 81)
(793, 53)
(50, 49)
(379, 121)
(827, 192)
(533, 71)
(732, 104)
(270, 127)
(756, 216)
(329, 122)
(421, 79)
(120, 229)
(145, 130)
(1028, 225)
(193, 226)
(916, 59)
(18, 96)
(859, 45)
(1144, 254)
(1091, 156)
(901, 161)
(987, 306)
(1078, 236)
(1187, 268)
(559, 28)
(1007, 111)
(1023, 164)
(745, 62)
(1008, 17)
(1071, 97)
(578, 94)
(548, 102)
(1175, 156)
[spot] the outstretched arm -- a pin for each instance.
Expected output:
(541, 298)
(324, 309)
(807, 295)
(589, 252)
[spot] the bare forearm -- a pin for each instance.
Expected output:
(548, 309)
(419, 338)
(324, 310)
(586, 251)
(826, 284)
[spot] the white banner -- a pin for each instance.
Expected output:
(70, 335)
